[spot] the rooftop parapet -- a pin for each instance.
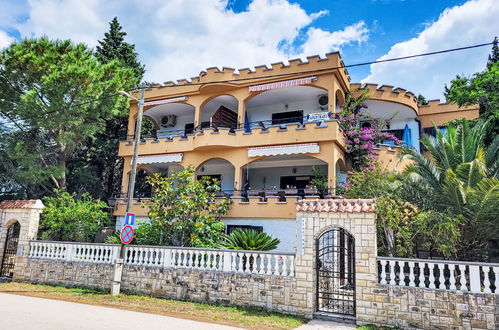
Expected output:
(436, 106)
(386, 93)
(215, 74)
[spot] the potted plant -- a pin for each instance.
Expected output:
(291, 190)
(310, 189)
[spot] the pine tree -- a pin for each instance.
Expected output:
(114, 47)
(494, 56)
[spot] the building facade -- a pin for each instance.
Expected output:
(265, 133)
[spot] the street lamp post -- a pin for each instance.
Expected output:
(118, 266)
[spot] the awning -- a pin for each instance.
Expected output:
(165, 158)
(285, 149)
(164, 101)
(282, 84)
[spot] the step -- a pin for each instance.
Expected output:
(339, 318)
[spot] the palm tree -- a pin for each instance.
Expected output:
(460, 179)
(249, 239)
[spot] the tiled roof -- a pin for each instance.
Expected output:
(21, 204)
(335, 205)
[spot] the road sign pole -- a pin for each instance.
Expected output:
(115, 290)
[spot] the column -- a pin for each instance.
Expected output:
(238, 178)
(197, 116)
(331, 92)
(241, 112)
(132, 119)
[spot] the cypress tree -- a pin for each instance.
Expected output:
(114, 47)
(96, 167)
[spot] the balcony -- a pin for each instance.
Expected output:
(269, 207)
(261, 133)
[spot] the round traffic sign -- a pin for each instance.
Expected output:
(126, 234)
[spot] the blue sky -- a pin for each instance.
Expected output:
(178, 38)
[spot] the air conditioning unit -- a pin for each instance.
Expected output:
(168, 121)
(323, 101)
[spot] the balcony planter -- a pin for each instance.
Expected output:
(292, 192)
(310, 191)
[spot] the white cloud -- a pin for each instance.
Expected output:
(5, 39)
(471, 23)
(178, 38)
(320, 41)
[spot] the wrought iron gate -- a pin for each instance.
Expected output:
(9, 253)
(335, 262)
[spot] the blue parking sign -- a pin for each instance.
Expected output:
(130, 219)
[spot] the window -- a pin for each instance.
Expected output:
(299, 182)
(398, 133)
(231, 228)
(431, 130)
(287, 117)
(365, 124)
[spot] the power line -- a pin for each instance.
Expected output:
(334, 68)
(271, 76)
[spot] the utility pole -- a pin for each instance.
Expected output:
(118, 266)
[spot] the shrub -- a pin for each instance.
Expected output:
(68, 218)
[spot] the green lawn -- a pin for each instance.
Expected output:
(244, 317)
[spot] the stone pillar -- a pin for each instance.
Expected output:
(314, 217)
(27, 213)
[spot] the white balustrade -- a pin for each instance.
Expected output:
(96, 253)
(439, 274)
(244, 262)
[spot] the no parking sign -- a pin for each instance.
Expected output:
(126, 235)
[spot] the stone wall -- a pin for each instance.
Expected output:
(276, 293)
(427, 308)
(406, 307)
(70, 274)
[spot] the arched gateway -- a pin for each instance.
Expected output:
(335, 262)
(10, 250)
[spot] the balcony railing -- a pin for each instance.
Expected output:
(262, 194)
(248, 126)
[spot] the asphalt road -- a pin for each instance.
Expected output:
(21, 312)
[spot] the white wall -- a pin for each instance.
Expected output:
(413, 126)
(180, 125)
(283, 229)
(225, 169)
(120, 222)
(265, 112)
(272, 175)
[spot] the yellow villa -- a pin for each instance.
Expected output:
(262, 131)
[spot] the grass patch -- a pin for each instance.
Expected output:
(245, 317)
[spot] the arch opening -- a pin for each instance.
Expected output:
(220, 112)
(335, 271)
(10, 250)
(221, 170)
(292, 175)
(284, 106)
(172, 119)
(143, 189)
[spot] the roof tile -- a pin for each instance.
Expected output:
(336, 205)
